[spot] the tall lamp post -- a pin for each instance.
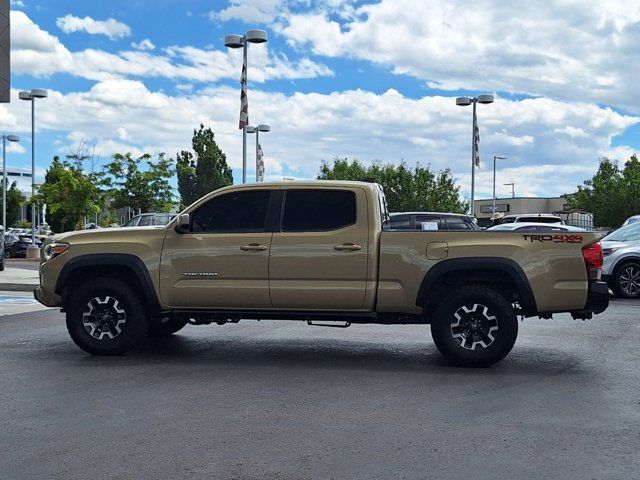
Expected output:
(31, 97)
(495, 157)
(260, 128)
(464, 102)
(241, 41)
(11, 138)
(513, 188)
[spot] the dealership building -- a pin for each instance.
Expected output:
(527, 205)
(22, 178)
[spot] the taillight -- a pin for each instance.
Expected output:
(592, 255)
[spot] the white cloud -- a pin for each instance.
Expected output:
(258, 11)
(110, 27)
(38, 53)
(145, 44)
(17, 3)
(568, 50)
(121, 115)
(274, 11)
(15, 147)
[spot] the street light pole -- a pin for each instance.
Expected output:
(495, 157)
(464, 102)
(240, 41)
(513, 188)
(244, 129)
(473, 157)
(31, 97)
(11, 138)
(260, 128)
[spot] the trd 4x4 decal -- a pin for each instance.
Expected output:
(563, 238)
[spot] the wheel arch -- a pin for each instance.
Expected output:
(620, 262)
(480, 270)
(125, 266)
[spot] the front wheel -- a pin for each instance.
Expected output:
(106, 317)
(474, 326)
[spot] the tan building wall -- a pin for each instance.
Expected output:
(517, 205)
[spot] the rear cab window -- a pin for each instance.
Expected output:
(429, 222)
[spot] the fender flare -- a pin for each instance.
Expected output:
(132, 262)
(507, 266)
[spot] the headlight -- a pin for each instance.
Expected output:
(608, 251)
(54, 249)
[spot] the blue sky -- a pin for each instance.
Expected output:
(375, 81)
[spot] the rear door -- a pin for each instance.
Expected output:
(319, 257)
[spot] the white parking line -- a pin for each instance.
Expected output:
(12, 303)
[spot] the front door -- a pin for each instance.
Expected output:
(319, 258)
(223, 261)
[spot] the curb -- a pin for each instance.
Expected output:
(17, 287)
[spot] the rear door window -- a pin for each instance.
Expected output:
(317, 210)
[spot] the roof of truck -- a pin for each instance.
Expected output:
(307, 183)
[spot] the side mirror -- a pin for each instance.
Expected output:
(183, 223)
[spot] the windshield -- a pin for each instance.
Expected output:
(133, 222)
(625, 234)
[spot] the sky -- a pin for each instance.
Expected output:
(374, 81)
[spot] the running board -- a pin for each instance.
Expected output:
(333, 325)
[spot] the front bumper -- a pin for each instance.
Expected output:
(47, 297)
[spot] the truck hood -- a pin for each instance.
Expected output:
(107, 234)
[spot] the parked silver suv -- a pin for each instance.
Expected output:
(621, 267)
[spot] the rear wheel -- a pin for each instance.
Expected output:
(163, 329)
(2, 263)
(626, 282)
(474, 326)
(106, 317)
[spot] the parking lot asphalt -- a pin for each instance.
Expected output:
(281, 400)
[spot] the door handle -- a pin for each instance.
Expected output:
(253, 247)
(351, 247)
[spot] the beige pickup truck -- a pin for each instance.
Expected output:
(321, 252)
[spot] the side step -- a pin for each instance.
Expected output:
(334, 325)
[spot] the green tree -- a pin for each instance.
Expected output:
(145, 190)
(204, 170)
(14, 201)
(70, 195)
(406, 189)
(612, 194)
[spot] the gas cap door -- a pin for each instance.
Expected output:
(437, 250)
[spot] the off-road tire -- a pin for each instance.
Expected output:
(116, 296)
(164, 329)
(616, 284)
(472, 340)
